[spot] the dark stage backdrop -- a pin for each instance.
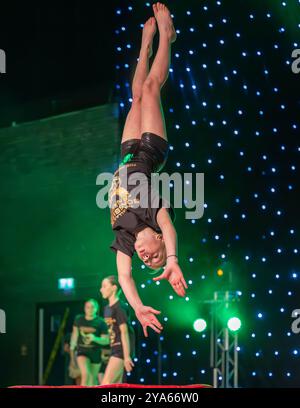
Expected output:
(232, 112)
(51, 227)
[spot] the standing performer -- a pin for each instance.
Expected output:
(144, 149)
(121, 333)
(89, 334)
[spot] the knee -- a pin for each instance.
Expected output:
(151, 87)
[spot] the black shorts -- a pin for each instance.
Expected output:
(117, 351)
(94, 354)
(151, 150)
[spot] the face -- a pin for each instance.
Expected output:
(90, 309)
(151, 250)
(107, 289)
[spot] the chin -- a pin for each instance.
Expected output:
(156, 267)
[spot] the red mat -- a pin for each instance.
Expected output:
(116, 386)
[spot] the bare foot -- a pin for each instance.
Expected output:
(149, 31)
(164, 21)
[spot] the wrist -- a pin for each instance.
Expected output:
(137, 305)
(172, 259)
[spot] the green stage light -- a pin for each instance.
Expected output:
(199, 325)
(234, 324)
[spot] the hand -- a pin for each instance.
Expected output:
(175, 277)
(89, 338)
(66, 348)
(128, 364)
(73, 364)
(146, 316)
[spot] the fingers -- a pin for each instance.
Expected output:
(179, 285)
(129, 366)
(178, 288)
(181, 288)
(180, 292)
(154, 310)
(152, 321)
(160, 277)
(184, 283)
(145, 331)
(154, 328)
(155, 322)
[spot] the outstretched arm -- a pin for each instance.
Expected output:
(102, 340)
(126, 281)
(169, 233)
(172, 270)
(145, 314)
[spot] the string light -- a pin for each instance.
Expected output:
(234, 127)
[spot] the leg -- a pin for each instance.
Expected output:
(100, 378)
(94, 373)
(132, 128)
(114, 371)
(119, 380)
(152, 112)
(84, 366)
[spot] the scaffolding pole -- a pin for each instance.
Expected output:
(223, 344)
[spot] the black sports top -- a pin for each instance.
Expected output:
(146, 155)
